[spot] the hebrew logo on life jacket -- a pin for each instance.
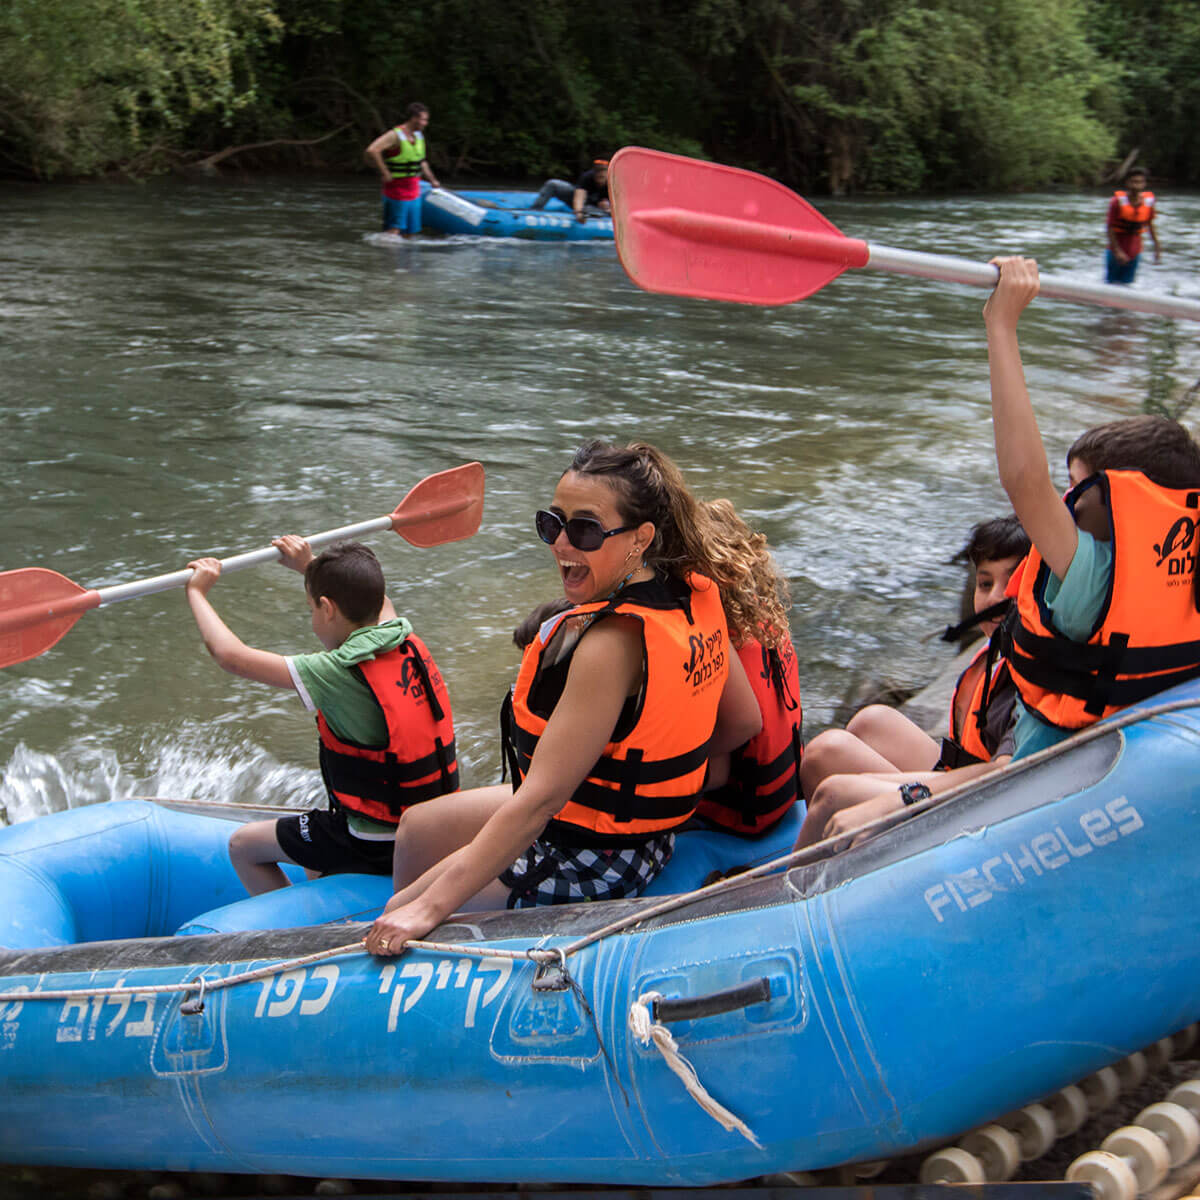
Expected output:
(410, 680)
(1174, 548)
(707, 657)
(696, 645)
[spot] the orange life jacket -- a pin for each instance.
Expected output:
(419, 761)
(649, 776)
(1147, 636)
(762, 774)
(1133, 218)
(966, 737)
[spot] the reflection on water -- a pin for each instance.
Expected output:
(195, 367)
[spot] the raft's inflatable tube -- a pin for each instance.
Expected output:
(122, 870)
(508, 215)
(974, 957)
(133, 868)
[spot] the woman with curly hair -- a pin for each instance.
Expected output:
(750, 789)
(619, 703)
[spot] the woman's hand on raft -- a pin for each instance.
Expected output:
(393, 929)
(205, 572)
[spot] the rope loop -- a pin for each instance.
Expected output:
(649, 1032)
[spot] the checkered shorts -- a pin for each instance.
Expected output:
(550, 874)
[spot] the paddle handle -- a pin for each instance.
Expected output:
(1055, 287)
(239, 562)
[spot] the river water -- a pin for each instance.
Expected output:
(194, 367)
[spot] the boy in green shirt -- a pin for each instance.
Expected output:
(383, 716)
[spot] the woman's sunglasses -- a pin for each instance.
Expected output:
(584, 533)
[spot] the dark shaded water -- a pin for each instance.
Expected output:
(192, 368)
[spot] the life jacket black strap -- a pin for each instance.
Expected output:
(391, 782)
(985, 695)
(619, 770)
(1000, 609)
(779, 680)
(649, 808)
(750, 805)
(508, 741)
(954, 756)
(1078, 658)
(1081, 685)
(435, 705)
(755, 775)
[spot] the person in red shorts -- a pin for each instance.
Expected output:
(1130, 212)
(399, 157)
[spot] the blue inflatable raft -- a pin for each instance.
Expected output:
(508, 215)
(971, 957)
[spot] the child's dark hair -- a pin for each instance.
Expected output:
(526, 631)
(1135, 170)
(990, 541)
(1157, 446)
(349, 574)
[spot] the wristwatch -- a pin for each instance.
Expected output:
(910, 793)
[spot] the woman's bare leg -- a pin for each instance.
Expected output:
(837, 752)
(834, 794)
(432, 830)
(892, 736)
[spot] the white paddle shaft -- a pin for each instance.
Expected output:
(252, 558)
(960, 270)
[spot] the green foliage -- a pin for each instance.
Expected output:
(88, 84)
(840, 95)
(1156, 46)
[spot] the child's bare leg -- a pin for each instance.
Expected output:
(837, 752)
(431, 830)
(834, 794)
(255, 853)
(892, 736)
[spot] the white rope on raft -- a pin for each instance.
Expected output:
(559, 954)
(647, 1031)
(201, 985)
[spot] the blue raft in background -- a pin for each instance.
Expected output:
(973, 956)
(508, 215)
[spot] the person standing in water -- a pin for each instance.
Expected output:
(399, 157)
(1130, 212)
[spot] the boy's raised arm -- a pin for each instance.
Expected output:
(1020, 455)
(231, 653)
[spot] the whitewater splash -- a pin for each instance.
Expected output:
(34, 783)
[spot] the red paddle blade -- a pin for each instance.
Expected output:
(446, 507)
(692, 228)
(37, 607)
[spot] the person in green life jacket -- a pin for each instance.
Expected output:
(399, 157)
